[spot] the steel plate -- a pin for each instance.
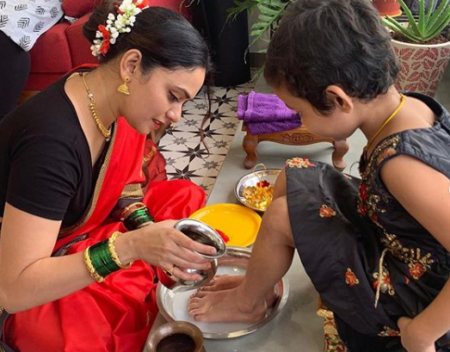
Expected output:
(173, 303)
(250, 180)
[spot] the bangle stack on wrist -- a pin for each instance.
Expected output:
(138, 218)
(90, 266)
(102, 260)
(131, 207)
(112, 251)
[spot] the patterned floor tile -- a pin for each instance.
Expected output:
(185, 155)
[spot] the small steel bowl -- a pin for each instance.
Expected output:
(205, 234)
(206, 275)
(250, 180)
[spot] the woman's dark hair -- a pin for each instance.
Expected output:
(164, 37)
(331, 42)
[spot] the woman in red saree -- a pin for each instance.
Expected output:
(71, 177)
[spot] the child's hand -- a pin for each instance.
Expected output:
(412, 341)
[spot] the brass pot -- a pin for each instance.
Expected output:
(175, 336)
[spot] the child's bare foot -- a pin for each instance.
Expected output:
(270, 298)
(227, 282)
(223, 282)
(223, 306)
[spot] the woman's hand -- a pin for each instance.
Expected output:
(160, 244)
(411, 340)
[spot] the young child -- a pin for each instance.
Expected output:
(376, 249)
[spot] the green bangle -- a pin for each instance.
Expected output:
(139, 222)
(94, 274)
(135, 214)
(138, 218)
(101, 259)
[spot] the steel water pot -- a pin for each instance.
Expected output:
(177, 336)
(205, 234)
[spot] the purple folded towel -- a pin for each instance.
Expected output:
(266, 113)
(259, 107)
(256, 128)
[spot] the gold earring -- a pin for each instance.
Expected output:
(123, 88)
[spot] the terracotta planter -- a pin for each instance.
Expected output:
(387, 7)
(422, 66)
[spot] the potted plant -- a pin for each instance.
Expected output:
(387, 7)
(421, 45)
(269, 14)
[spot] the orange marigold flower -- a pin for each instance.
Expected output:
(326, 212)
(350, 278)
(416, 270)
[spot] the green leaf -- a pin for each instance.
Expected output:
(437, 28)
(431, 22)
(398, 28)
(268, 11)
(430, 11)
(439, 15)
(259, 25)
(257, 74)
(412, 25)
(257, 32)
(265, 18)
(422, 18)
(240, 6)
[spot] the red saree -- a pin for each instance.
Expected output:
(117, 314)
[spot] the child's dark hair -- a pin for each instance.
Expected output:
(331, 42)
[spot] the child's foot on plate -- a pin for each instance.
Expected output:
(222, 282)
(223, 306)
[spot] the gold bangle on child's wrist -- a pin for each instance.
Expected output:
(112, 251)
(94, 274)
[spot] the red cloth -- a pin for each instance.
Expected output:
(77, 8)
(64, 46)
(40, 81)
(79, 46)
(117, 314)
(56, 60)
(154, 162)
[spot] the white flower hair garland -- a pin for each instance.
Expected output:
(126, 16)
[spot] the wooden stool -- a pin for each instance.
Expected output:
(297, 136)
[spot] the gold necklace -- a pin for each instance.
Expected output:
(103, 130)
(385, 123)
